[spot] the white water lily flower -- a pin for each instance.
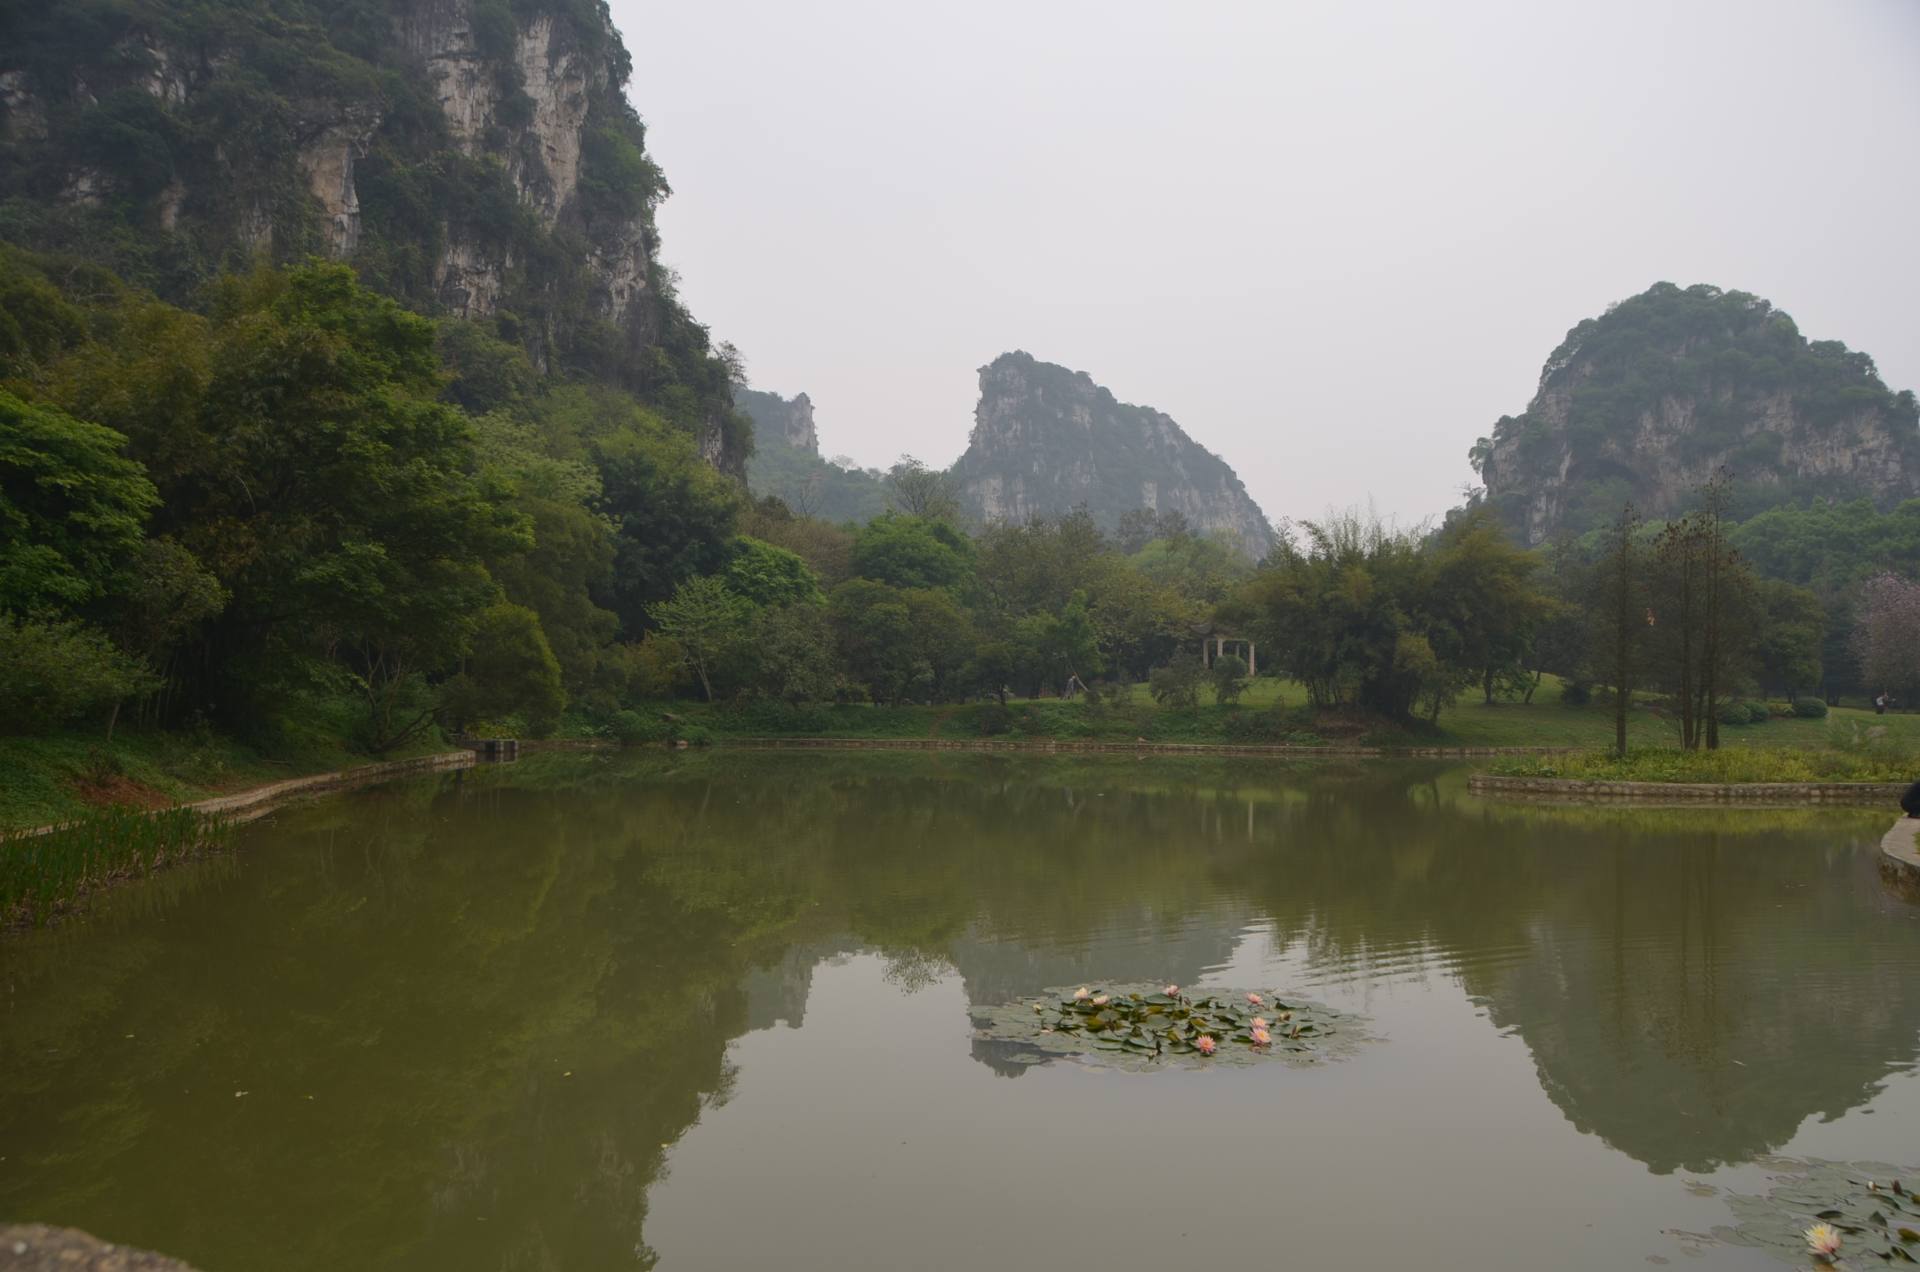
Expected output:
(1823, 1240)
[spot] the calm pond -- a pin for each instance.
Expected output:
(712, 1011)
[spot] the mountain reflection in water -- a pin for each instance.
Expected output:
(472, 1015)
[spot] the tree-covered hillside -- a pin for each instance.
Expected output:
(1649, 400)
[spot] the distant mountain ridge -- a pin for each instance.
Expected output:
(1649, 400)
(1047, 439)
(786, 462)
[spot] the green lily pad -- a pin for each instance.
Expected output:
(1143, 1028)
(1870, 1204)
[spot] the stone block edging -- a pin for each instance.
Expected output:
(1699, 792)
(1075, 746)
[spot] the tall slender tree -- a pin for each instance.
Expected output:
(1620, 603)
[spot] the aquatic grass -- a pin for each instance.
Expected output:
(1728, 764)
(41, 874)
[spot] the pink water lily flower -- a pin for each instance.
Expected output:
(1172, 991)
(1081, 994)
(1204, 1045)
(1260, 1036)
(1100, 1000)
(1259, 1022)
(1255, 999)
(1823, 1240)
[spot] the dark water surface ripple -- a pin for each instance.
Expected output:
(600, 1011)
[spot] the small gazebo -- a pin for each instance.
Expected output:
(1216, 643)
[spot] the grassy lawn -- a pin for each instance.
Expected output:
(1273, 712)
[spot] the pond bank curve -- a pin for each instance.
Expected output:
(1900, 858)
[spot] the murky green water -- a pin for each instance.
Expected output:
(598, 1011)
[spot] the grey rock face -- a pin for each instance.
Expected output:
(1046, 439)
(788, 421)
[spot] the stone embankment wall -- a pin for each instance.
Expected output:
(260, 800)
(35, 1247)
(1900, 858)
(1709, 792)
(1060, 746)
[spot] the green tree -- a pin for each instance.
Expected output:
(906, 551)
(873, 630)
(1484, 596)
(672, 516)
(1621, 616)
(71, 506)
(919, 491)
(510, 670)
(769, 575)
(708, 621)
(1792, 631)
(1332, 615)
(793, 654)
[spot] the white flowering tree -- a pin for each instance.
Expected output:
(1886, 638)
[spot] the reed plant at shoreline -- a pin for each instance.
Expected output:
(41, 874)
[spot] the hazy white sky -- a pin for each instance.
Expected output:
(1335, 241)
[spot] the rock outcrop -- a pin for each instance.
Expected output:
(780, 421)
(1046, 439)
(1647, 402)
(473, 157)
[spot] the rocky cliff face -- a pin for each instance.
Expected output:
(1046, 439)
(780, 421)
(475, 157)
(1649, 401)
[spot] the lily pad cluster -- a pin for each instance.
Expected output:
(1834, 1214)
(1142, 1026)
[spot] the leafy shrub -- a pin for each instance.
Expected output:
(1758, 713)
(1576, 693)
(1733, 713)
(993, 719)
(1178, 683)
(1810, 708)
(53, 670)
(694, 735)
(632, 728)
(1229, 680)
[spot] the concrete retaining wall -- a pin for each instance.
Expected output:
(1708, 792)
